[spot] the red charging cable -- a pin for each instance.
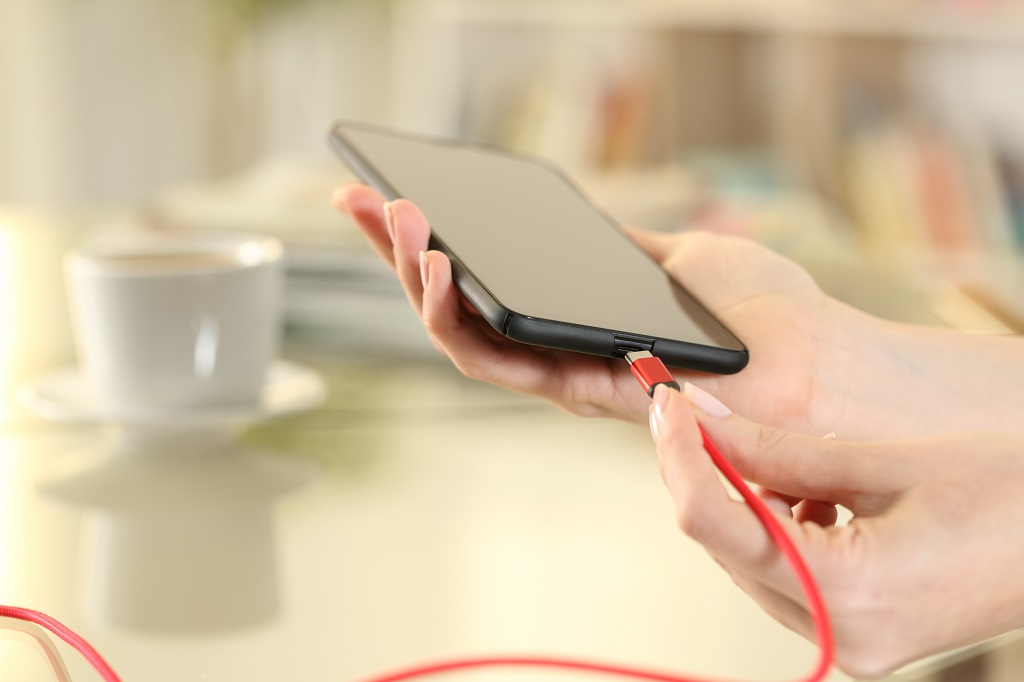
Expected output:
(650, 372)
(67, 634)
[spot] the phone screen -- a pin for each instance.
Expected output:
(532, 239)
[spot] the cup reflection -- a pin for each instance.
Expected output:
(179, 531)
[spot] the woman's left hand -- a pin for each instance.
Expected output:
(930, 561)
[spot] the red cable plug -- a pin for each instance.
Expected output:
(650, 371)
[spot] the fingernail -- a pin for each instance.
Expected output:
(338, 199)
(779, 506)
(424, 269)
(705, 402)
(389, 221)
(660, 400)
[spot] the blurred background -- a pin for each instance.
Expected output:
(879, 143)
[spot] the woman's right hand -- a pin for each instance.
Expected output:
(929, 562)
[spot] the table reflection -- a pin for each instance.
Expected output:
(180, 531)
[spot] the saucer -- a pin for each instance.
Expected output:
(62, 395)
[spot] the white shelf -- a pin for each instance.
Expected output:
(914, 20)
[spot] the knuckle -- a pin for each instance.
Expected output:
(469, 369)
(439, 347)
(769, 438)
(867, 659)
(578, 409)
(689, 520)
(872, 643)
(767, 441)
(577, 399)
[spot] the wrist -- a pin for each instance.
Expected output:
(965, 382)
(857, 374)
(896, 380)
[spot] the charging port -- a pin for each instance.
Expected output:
(629, 344)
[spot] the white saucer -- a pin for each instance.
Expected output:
(61, 395)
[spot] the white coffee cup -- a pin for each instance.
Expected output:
(172, 322)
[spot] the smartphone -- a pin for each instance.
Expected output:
(541, 263)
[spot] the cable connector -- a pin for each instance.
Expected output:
(649, 371)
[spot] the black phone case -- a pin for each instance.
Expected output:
(539, 331)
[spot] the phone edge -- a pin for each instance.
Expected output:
(540, 331)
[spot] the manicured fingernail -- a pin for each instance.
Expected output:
(705, 402)
(389, 221)
(655, 421)
(424, 269)
(660, 400)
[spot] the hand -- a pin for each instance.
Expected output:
(800, 340)
(930, 561)
(816, 365)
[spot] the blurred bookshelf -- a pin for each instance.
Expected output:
(898, 123)
(918, 19)
(337, 291)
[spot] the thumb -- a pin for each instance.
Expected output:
(798, 465)
(659, 245)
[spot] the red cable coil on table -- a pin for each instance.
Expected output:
(67, 634)
(815, 603)
(650, 372)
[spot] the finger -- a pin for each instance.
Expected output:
(704, 509)
(777, 502)
(727, 528)
(824, 514)
(468, 341)
(366, 207)
(480, 352)
(437, 294)
(851, 474)
(659, 245)
(411, 234)
(707, 265)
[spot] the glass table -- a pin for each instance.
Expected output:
(413, 516)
